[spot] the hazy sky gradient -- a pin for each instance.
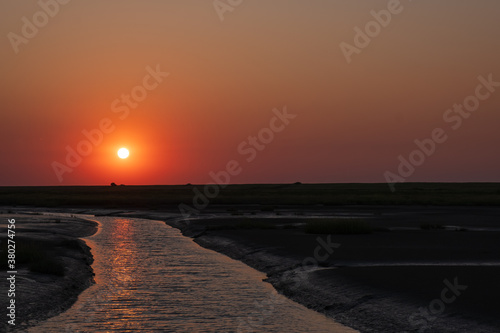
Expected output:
(353, 120)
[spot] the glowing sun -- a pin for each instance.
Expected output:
(123, 153)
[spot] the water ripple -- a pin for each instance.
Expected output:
(150, 278)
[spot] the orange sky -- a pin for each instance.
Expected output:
(353, 120)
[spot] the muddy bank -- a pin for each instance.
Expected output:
(53, 265)
(375, 299)
(389, 281)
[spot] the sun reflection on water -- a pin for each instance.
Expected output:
(150, 278)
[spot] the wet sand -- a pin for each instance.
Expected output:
(40, 296)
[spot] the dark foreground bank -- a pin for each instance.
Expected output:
(53, 266)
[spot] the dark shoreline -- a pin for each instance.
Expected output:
(40, 296)
(350, 297)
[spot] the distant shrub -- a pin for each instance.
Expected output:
(338, 226)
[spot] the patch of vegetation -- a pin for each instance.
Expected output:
(338, 226)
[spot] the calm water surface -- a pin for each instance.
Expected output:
(150, 278)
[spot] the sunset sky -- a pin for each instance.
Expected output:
(228, 68)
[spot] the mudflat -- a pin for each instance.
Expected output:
(53, 265)
(389, 280)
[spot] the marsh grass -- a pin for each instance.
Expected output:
(338, 226)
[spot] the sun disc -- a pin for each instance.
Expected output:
(123, 153)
